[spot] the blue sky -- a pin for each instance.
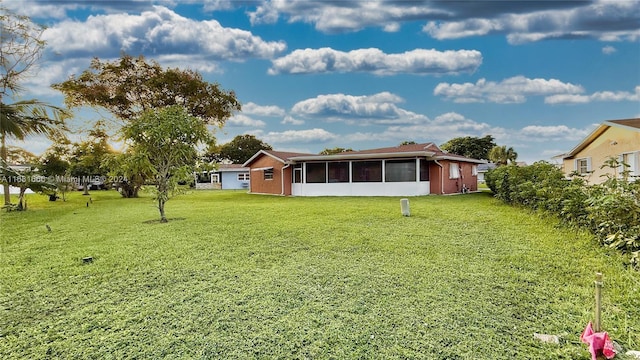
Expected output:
(538, 76)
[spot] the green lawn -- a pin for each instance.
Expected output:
(242, 276)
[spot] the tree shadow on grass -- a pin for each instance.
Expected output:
(158, 221)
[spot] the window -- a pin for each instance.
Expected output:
(400, 170)
(632, 160)
(339, 172)
(583, 166)
(317, 172)
(243, 177)
(268, 174)
(474, 170)
(454, 171)
(366, 171)
(424, 170)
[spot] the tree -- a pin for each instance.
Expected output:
(130, 86)
(335, 150)
(502, 155)
(241, 149)
(165, 143)
(471, 147)
(87, 156)
(20, 50)
(54, 165)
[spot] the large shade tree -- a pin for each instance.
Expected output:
(471, 147)
(166, 142)
(20, 50)
(241, 149)
(132, 85)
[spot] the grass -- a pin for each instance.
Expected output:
(245, 276)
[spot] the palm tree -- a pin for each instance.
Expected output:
(502, 155)
(25, 118)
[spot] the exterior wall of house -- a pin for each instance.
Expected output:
(414, 188)
(229, 180)
(611, 143)
(440, 182)
(465, 177)
(260, 185)
(435, 178)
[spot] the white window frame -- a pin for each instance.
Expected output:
(634, 164)
(454, 170)
(244, 176)
(268, 174)
(577, 162)
(474, 170)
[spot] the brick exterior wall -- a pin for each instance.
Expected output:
(274, 186)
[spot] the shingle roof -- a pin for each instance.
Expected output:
(430, 150)
(282, 156)
(399, 149)
(634, 123)
(285, 155)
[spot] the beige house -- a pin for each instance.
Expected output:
(619, 139)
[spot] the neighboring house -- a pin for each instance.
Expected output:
(226, 177)
(19, 168)
(619, 139)
(482, 171)
(406, 170)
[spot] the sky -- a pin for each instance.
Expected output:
(538, 76)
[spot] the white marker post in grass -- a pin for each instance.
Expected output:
(404, 207)
(597, 325)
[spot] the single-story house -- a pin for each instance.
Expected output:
(483, 169)
(619, 139)
(405, 170)
(226, 177)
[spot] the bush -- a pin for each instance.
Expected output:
(611, 210)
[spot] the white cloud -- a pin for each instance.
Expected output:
(520, 21)
(379, 108)
(511, 90)
(269, 110)
(243, 120)
(553, 132)
(304, 136)
(158, 31)
(439, 130)
(603, 20)
(610, 96)
(334, 17)
(291, 120)
(608, 50)
(418, 61)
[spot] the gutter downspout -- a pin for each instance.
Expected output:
(282, 178)
(441, 176)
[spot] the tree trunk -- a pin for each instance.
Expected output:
(3, 154)
(163, 218)
(128, 190)
(22, 204)
(86, 188)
